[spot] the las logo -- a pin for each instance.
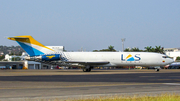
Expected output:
(131, 58)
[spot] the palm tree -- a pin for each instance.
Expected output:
(148, 49)
(135, 49)
(159, 49)
(111, 48)
(127, 50)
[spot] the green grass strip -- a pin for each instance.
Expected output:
(161, 97)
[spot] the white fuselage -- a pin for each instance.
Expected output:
(120, 58)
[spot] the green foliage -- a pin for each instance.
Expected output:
(178, 58)
(104, 50)
(133, 50)
(157, 49)
(15, 50)
(2, 57)
(160, 97)
(110, 48)
(16, 59)
(95, 50)
(12, 54)
(148, 49)
(127, 50)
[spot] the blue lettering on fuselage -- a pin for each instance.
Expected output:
(122, 57)
(135, 58)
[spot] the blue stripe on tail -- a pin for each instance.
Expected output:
(30, 50)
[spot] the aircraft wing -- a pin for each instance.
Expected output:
(89, 63)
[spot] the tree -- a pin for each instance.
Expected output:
(110, 48)
(127, 50)
(104, 50)
(2, 57)
(148, 49)
(12, 54)
(16, 59)
(157, 49)
(133, 50)
(95, 50)
(178, 58)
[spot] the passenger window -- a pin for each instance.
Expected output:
(164, 56)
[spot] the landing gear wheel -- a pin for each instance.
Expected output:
(89, 70)
(86, 70)
(157, 70)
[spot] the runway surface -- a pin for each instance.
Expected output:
(70, 84)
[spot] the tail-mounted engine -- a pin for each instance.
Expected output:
(51, 57)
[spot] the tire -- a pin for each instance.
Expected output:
(84, 70)
(157, 70)
(87, 70)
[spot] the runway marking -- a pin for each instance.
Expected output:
(174, 76)
(176, 84)
(168, 79)
(148, 76)
(79, 86)
(164, 79)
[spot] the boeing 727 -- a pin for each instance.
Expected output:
(88, 60)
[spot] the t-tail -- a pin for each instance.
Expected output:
(31, 46)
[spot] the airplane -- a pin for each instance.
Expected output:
(87, 60)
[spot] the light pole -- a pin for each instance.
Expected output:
(123, 43)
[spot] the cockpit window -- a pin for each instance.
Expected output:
(165, 57)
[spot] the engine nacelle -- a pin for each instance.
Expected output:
(50, 57)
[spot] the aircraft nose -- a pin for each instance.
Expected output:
(171, 61)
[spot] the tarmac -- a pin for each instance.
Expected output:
(74, 84)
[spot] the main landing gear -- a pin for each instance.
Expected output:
(87, 69)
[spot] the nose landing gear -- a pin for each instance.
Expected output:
(156, 69)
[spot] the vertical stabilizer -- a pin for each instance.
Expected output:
(31, 46)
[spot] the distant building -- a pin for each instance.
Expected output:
(1, 53)
(172, 52)
(10, 58)
(24, 54)
(171, 49)
(24, 64)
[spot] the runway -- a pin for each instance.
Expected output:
(70, 84)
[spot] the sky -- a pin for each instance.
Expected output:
(92, 24)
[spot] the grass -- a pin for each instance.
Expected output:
(161, 97)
